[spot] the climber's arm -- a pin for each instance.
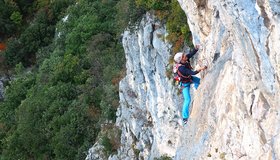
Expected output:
(186, 71)
(192, 53)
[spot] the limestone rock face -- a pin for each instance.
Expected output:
(235, 112)
(96, 152)
(149, 113)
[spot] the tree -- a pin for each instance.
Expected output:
(61, 101)
(7, 27)
(16, 17)
(15, 93)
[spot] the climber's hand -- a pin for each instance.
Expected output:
(202, 68)
(205, 67)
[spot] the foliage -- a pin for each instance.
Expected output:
(58, 8)
(128, 15)
(61, 101)
(25, 6)
(168, 11)
(16, 17)
(110, 139)
(7, 27)
(177, 27)
(164, 157)
(105, 141)
(154, 4)
(38, 34)
(67, 60)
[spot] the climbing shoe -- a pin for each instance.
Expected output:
(185, 120)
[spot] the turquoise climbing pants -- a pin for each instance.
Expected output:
(187, 96)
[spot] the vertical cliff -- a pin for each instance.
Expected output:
(235, 111)
(149, 114)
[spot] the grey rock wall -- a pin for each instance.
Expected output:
(149, 114)
(235, 111)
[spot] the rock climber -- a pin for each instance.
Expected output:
(186, 74)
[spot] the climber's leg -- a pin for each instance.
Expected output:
(187, 100)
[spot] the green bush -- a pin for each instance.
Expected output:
(168, 11)
(164, 157)
(154, 4)
(7, 27)
(110, 139)
(108, 148)
(13, 54)
(16, 17)
(128, 16)
(179, 32)
(24, 48)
